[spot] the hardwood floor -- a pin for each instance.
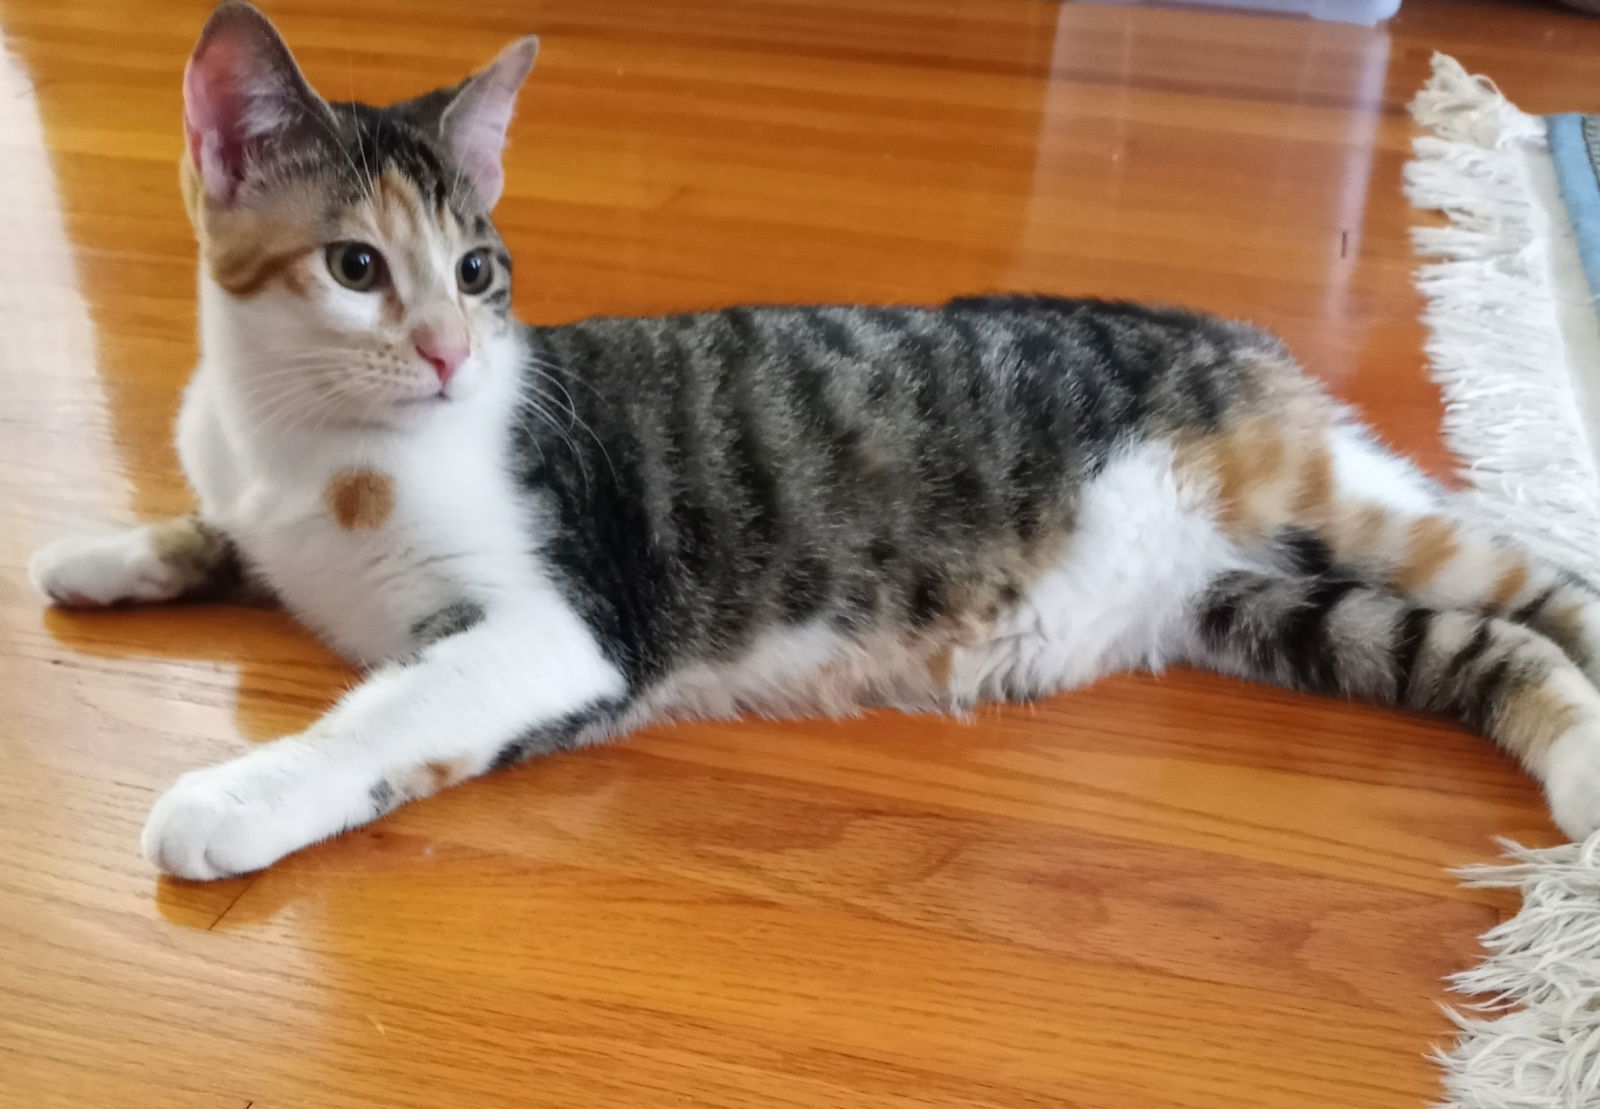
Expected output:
(1154, 892)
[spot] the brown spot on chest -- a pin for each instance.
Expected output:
(360, 500)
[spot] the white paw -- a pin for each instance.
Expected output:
(1572, 782)
(249, 813)
(88, 570)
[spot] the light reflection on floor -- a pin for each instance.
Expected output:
(1365, 12)
(44, 323)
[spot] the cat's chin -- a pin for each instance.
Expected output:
(397, 415)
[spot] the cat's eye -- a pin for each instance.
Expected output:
(356, 266)
(474, 272)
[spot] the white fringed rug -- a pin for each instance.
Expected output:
(1515, 346)
(1535, 1043)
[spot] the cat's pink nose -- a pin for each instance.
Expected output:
(444, 353)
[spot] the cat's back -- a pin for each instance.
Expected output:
(999, 336)
(1080, 374)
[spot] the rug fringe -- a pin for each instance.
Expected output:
(1496, 341)
(1545, 961)
(1506, 370)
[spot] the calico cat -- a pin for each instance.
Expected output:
(537, 537)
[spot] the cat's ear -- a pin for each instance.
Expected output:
(474, 121)
(244, 100)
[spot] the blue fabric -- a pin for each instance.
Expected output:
(1575, 148)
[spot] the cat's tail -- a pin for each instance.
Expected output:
(1333, 633)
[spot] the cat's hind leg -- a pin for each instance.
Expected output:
(1388, 526)
(1334, 634)
(164, 561)
(1325, 498)
(1368, 585)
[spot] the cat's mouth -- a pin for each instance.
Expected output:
(440, 395)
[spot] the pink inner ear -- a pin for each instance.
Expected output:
(476, 124)
(480, 140)
(213, 118)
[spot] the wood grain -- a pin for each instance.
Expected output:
(1174, 891)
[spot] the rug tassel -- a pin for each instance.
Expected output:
(1505, 367)
(1545, 963)
(1496, 343)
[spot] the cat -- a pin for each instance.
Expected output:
(537, 537)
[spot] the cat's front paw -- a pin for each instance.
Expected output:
(94, 570)
(1572, 781)
(246, 814)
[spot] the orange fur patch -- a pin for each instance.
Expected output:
(1564, 624)
(428, 779)
(1363, 531)
(1433, 542)
(1313, 500)
(1245, 465)
(246, 248)
(244, 252)
(1266, 468)
(246, 273)
(1262, 479)
(360, 500)
(399, 208)
(1531, 720)
(1508, 588)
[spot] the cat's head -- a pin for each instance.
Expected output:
(356, 275)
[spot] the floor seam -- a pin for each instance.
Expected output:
(212, 926)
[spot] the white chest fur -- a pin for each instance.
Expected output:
(360, 534)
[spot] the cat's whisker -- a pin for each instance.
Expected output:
(271, 369)
(275, 415)
(572, 410)
(529, 435)
(287, 391)
(537, 407)
(553, 367)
